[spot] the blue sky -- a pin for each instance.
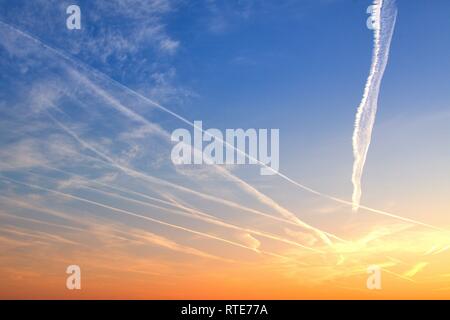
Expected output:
(295, 65)
(299, 66)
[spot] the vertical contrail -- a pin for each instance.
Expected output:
(384, 13)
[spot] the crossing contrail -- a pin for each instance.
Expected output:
(178, 209)
(136, 215)
(387, 17)
(383, 15)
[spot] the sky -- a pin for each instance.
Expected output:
(86, 176)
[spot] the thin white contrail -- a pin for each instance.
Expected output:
(219, 170)
(246, 187)
(176, 246)
(182, 210)
(384, 15)
(181, 188)
(322, 234)
(136, 215)
(140, 96)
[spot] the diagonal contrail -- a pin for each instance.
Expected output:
(384, 15)
(165, 242)
(219, 170)
(179, 208)
(136, 215)
(322, 234)
(132, 172)
(246, 187)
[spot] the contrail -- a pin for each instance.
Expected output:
(164, 242)
(129, 171)
(132, 172)
(246, 187)
(182, 210)
(384, 15)
(220, 170)
(136, 215)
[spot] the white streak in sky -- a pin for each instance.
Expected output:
(386, 5)
(384, 15)
(133, 214)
